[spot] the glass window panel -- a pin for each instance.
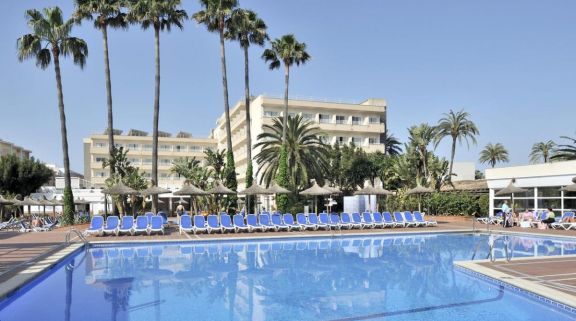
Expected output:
(340, 119)
(570, 204)
(546, 203)
(356, 120)
(325, 118)
(549, 191)
(569, 194)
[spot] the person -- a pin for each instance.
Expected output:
(506, 210)
(568, 219)
(550, 217)
(180, 209)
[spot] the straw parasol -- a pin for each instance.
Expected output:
(333, 190)
(274, 188)
(4, 201)
(570, 188)
(419, 190)
(511, 189)
(27, 201)
(181, 201)
(255, 189)
(119, 189)
(315, 190)
(369, 189)
(220, 189)
(188, 189)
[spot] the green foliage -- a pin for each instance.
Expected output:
(565, 152)
(455, 203)
(22, 176)
(249, 182)
(494, 153)
(542, 151)
(231, 182)
(282, 179)
(131, 176)
(68, 214)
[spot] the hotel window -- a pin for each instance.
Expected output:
(292, 114)
(100, 145)
(196, 149)
(100, 174)
(100, 159)
(165, 161)
(341, 139)
(271, 114)
(164, 175)
(180, 148)
(134, 161)
(356, 140)
(164, 148)
(147, 161)
(147, 175)
(118, 145)
(147, 147)
(340, 119)
(309, 117)
(356, 120)
(373, 141)
(133, 146)
(325, 118)
(374, 120)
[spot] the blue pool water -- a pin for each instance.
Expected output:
(368, 278)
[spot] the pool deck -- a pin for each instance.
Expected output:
(25, 255)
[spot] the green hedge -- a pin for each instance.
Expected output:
(460, 203)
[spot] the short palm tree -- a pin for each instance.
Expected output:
(160, 15)
(421, 137)
(217, 160)
(459, 127)
(565, 152)
(215, 16)
(542, 151)
(50, 39)
(106, 13)
(494, 153)
(392, 145)
(245, 27)
(307, 154)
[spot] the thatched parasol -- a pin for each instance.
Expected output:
(188, 189)
(570, 188)
(334, 190)
(274, 188)
(419, 190)
(181, 201)
(4, 201)
(369, 189)
(255, 189)
(220, 189)
(315, 190)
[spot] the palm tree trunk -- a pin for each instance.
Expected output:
(68, 201)
(248, 119)
(225, 88)
(452, 158)
(285, 120)
(109, 102)
(156, 116)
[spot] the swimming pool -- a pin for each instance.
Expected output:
(407, 277)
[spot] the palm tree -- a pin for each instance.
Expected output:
(565, 152)
(391, 144)
(247, 28)
(50, 39)
(494, 153)
(542, 151)
(216, 160)
(106, 13)
(161, 15)
(215, 17)
(459, 127)
(186, 167)
(421, 137)
(307, 154)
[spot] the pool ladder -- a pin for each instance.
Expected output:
(77, 233)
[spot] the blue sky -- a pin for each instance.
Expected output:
(510, 64)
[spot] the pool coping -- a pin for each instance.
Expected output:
(549, 295)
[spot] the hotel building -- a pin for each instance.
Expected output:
(361, 123)
(8, 148)
(139, 146)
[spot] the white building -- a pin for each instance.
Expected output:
(543, 182)
(464, 171)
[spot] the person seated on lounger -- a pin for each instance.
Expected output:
(568, 219)
(550, 217)
(527, 216)
(37, 222)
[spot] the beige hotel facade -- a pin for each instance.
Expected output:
(360, 123)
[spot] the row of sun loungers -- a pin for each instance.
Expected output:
(278, 222)
(143, 224)
(561, 223)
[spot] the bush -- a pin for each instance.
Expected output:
(68, 214)
(459, 203)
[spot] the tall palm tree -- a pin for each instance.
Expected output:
(307, 154)
(286, 51)
(392, 145)
(565, 152)
(106, 13)
(494, 153)
(160, 15)
(215, 17)
(459, 127)
(50, 39)
(542, 151)
(247, 28)
(421, 137)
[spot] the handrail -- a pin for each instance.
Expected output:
(75, 231)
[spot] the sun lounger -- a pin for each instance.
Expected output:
(164, 217)
(289, 221)
(379, 220)
(185, 225)
(346, 221)
(141, 225)
(240, 225)
(369, 221)
(304, 224)
(199, 224)
(280, 225)
(149, 216)
(562, 224)
(226, 223)
(96, 226)
(266, 222)
(398, 220)
(111, 227)
(335, 220)
(356, 219)
(409, 218)
(126, 225)
(313, 220)
(497, 219)
(419, 218)
(252, 222)
(213, 224)
(156, 225)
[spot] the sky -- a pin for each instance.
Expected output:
(510, 64)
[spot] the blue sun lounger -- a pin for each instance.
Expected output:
(199, 224)
(346, 221)
(409, 218)
(389, 222)
(149, 216)
(252, 222)
(240, 225)
(185, 225)
(277, 221)
(141, 224)
(324, 218)
(213, 224)
(96, 226)
(156, 225)
(111, 227)
(369, 221)
(420, 218)
(126, 225)
(267, 222)
(562, 224)
(313, 219)
(289, 221)
(399, 218)
(379, 220)
(226, 223)
(304, 224)
(335, 220)
(357, 220)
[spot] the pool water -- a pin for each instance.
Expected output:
(369, 278)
